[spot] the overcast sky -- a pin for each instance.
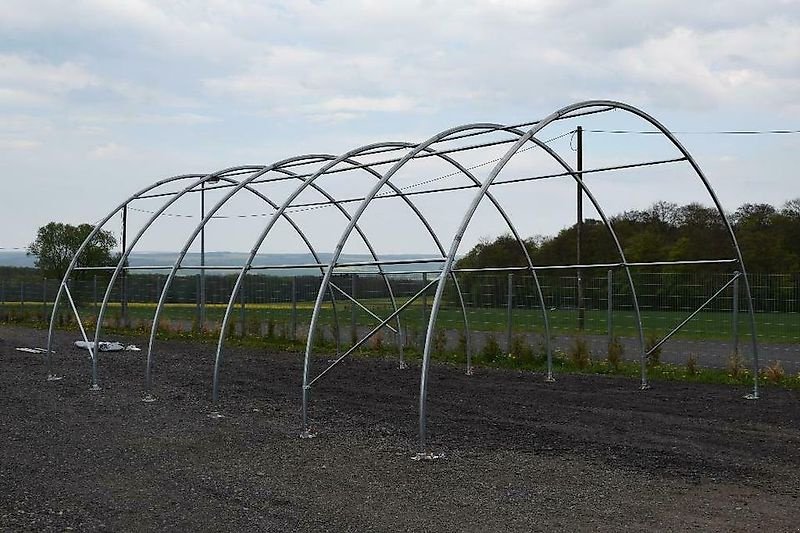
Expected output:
(99, 98)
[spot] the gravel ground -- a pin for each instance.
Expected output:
(584, 453)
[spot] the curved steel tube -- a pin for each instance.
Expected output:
(86, 242)
(479, 196)
(340, 245)
(173, 271)
(254, 252)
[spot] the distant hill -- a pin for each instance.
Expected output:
(234, 259)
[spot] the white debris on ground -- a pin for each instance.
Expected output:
(108, 346)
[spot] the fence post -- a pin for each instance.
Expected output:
(241, 309)
(509, 307)
(198, 316)
(124, 300)
(294, 308)
(353, 330)
(735, 317)
(610, 315)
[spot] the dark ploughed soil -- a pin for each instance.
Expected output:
(584, 453)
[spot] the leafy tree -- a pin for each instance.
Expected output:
(56, 244)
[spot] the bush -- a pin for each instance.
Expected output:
(736, 366)
(774, 372)
(691, 365)
(439, 347)
(491, 349)
(520, 349)
(579, 354)
(654, 357)
(615, 352)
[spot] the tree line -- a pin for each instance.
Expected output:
(768, 237)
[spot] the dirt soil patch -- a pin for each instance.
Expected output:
(584, 453)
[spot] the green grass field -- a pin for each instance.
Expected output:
(707, 325)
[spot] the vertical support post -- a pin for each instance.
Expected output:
(610, 316)
(124, 298)
(294, 308)
(579, 231)
(353, 312)
(424, 307)
(509, 307)
(202, 258)
(735, 317)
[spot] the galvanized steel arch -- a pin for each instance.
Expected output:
(257, 170)
(447, 267)
(309, 182)
(73, 263)
(182, 254)
(516, 235)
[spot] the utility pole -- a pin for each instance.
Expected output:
(579, 231)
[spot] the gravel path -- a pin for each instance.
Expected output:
(587, 453)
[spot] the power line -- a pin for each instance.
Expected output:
(387, 194)
(720, 132)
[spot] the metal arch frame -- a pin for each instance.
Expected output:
(209, 216)
(347, 159)
(309, 182)
(447, 267)
(504, 215)
(348, 230)
(256, 171)
(182, 254)
(83, 246)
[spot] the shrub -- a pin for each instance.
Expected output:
(520, 349)
(774, 372)
(615, 352)
(654, 357)
(579, 354)
(439, 347)
(491, 349)
(736, 366)
(691, 365)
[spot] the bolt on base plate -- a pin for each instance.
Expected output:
(427, 456)
(148, 398)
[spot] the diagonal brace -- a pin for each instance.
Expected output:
(375, 330)
(89, 347)
(373, 315)
(679, 326)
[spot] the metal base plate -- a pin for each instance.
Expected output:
(751, 396)
(646, 386)
(148, 398)
(95, 388)
(427, 456)
(402, 365)
(550, 379)
(470, 371)
(307, 434)
(53, 377)
(215, 415)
